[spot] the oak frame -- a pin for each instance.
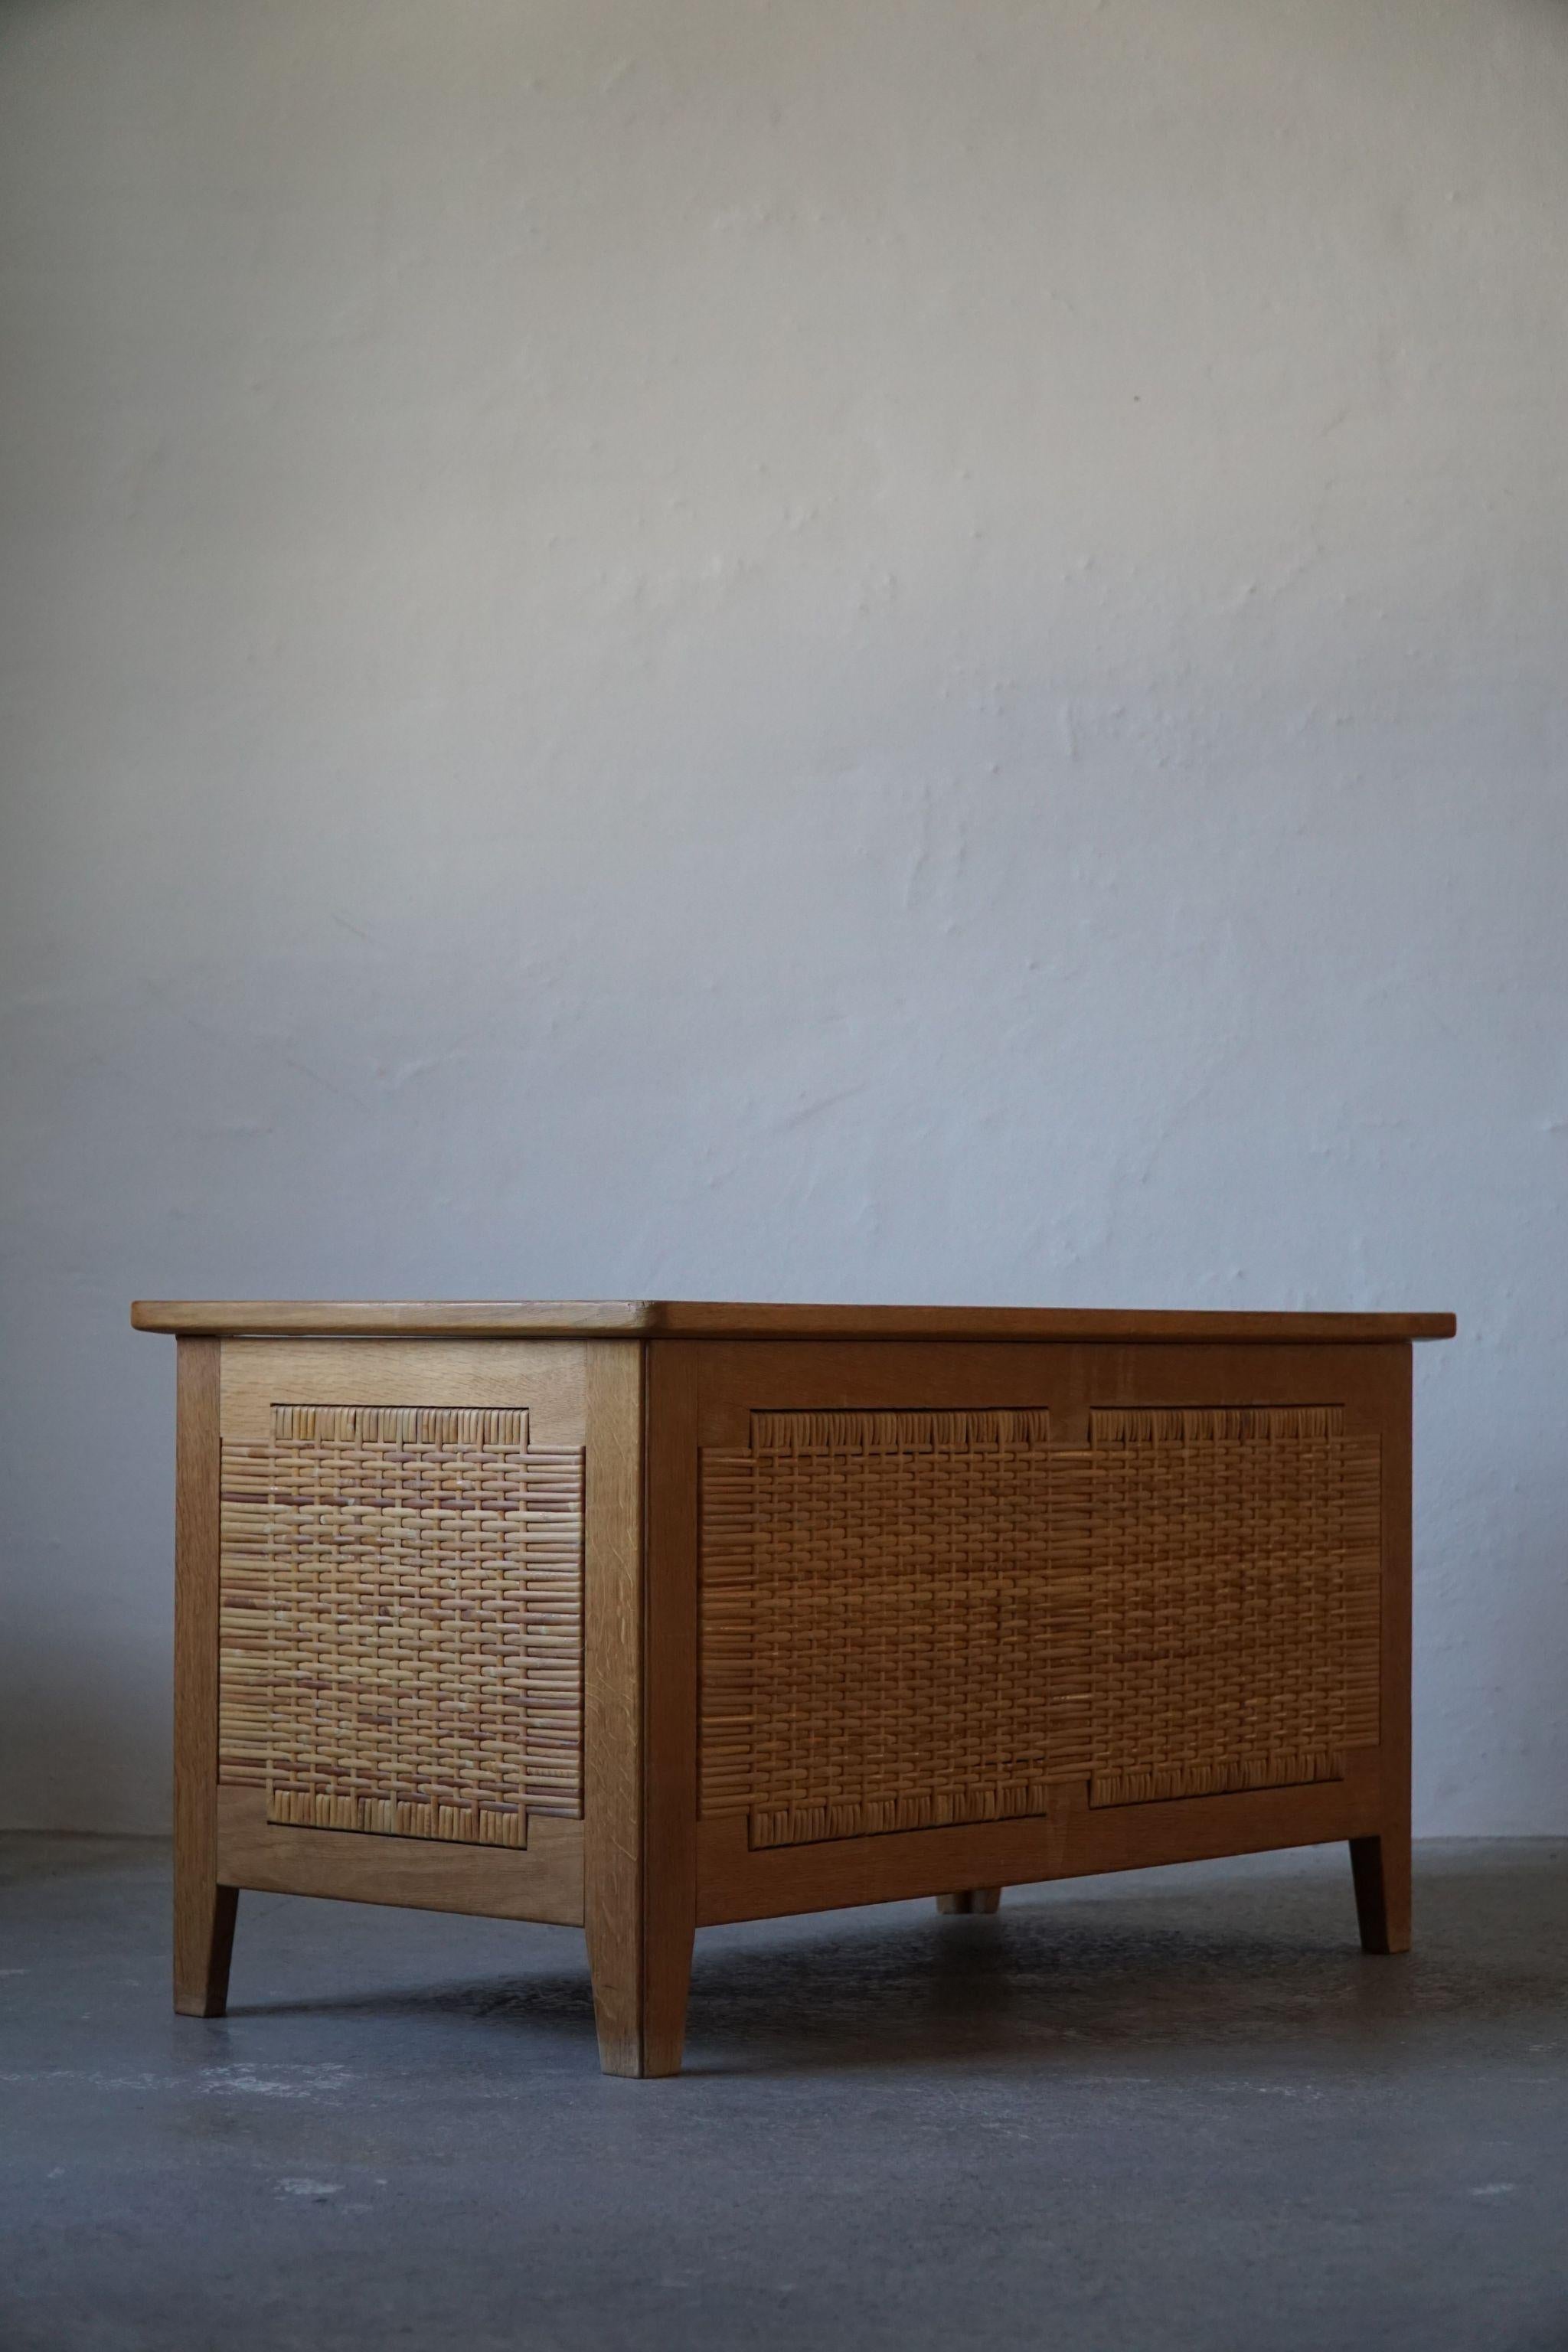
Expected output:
(641, 1872)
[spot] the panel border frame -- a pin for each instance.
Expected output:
(542, 1879)
(736, 1881)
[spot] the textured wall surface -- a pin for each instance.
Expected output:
(861, 648)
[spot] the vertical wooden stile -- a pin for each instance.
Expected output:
(669, 1735)
(1379, 1865)
(612, 1699)
(203, 1911)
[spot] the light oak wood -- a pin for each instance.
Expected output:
(490, 1318)
(543, 1881)
(644, 1388)
(1070, 1379)
(1071, 1840)
(674, 1318)
(734, 1881)
(204, 1910)
(1380, 1866)
(1380, 1870)
(613, 1727)
(548, 1376)
(670, 1319)
(669, 1735)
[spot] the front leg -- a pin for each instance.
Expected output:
(203, 1940)
(203, 1911)
(639, 2001)
(1380, 1866)
(640, 1721)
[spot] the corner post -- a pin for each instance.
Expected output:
(613, 1697)
(669, 1711)
(633, 1906)
(203, 1911)
(1380, 1863)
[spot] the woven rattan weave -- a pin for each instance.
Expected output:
(910, 1618)
(879, 1624)
(1235, 1572)
(401, 1630)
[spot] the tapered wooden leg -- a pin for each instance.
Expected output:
(1380, 1865)
(666, 1980)
(1381, 1869)
(970, 1899)
(640, 2012)
(203, 1911)
(203, 1940)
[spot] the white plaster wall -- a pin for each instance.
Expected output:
(861, 648)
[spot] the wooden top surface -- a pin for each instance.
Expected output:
(673, 1319)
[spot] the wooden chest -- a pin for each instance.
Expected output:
(645, 1616)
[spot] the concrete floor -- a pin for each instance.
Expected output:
(1170, 2110)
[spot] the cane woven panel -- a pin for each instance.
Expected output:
(1235, 1560)
(401, 1642)
(910, 1618)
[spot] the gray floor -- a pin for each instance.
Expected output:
(1174, 2110)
